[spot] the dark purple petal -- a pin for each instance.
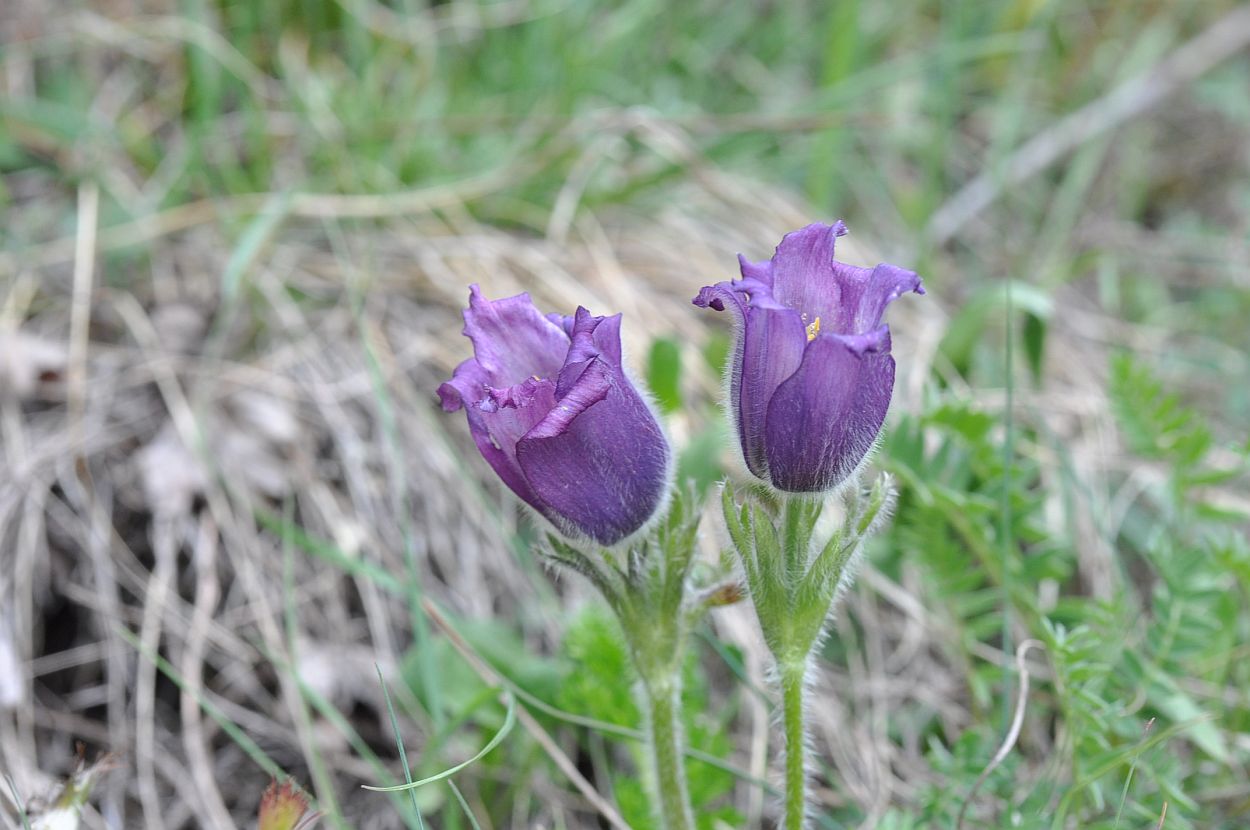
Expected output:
(768, 345)
(599, 461)
(768, 350)
(512, 340)
(737, 295)
(823, 419)
(592, 338)
(606, 331)
(591, 386)
(607, 336)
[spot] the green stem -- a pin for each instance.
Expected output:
(666, 753)
(792, 675)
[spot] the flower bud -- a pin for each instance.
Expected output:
(555, 415)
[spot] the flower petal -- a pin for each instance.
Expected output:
(469, 384)
(759, 271)
(606, 332)
(512, 340)
(599, 461)
(591, 386)
(607, 335)
(768, 350)
(864, 294)
(500, 420)
(847, 298)
(823, 419)
(592, 338)
(564, 321)
(720, 296)
(803, 275)
(768, 346)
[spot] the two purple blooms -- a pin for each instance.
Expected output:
(554, 413)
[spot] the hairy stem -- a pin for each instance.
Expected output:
(666, 752)
(792, 677)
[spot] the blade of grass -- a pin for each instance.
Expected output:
(329, 552)
(1128, 781)
(464, 805)
(399, 744)
(1005, 522)
(17, 802)
(509, 722)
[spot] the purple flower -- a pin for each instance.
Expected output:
(812, 374)
(557, 418)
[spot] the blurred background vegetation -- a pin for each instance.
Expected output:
(235, 237)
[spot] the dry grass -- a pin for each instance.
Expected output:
(150, 421)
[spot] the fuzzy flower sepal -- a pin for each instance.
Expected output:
(793, 580)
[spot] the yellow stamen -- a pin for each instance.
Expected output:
(813, 329)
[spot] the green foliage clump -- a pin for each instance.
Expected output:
(1134, 714)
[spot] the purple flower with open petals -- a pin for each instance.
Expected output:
(554, 414)
(812, 374)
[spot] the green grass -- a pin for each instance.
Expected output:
(1125, 265)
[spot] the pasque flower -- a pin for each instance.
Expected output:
(554, 414)
(812, 375)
